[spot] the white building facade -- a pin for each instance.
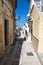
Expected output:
(37, 3)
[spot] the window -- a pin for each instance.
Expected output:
(38, 3)
(38, 8)
(42, 8)
(42, 2)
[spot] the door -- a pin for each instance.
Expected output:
(6, 26)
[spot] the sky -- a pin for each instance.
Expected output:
(22, 11)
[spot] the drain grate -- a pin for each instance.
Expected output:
(30, 54)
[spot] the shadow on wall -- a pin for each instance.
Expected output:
(35, 43)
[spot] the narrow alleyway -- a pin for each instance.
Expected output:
(12, 57)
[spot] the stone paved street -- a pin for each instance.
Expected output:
(12, 58)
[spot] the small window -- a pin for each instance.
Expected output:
(26, 32)
(38, 8)
(42, 8)
(23, 32)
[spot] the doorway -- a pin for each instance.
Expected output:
(31, 27)
(6, 29)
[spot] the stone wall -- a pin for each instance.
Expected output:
(6, 13)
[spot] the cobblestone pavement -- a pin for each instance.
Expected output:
(12, 58)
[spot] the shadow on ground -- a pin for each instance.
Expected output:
(12, 55)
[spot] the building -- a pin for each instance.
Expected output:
(36, 21)
(25, 31)
(7, 23)
(37, 3)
